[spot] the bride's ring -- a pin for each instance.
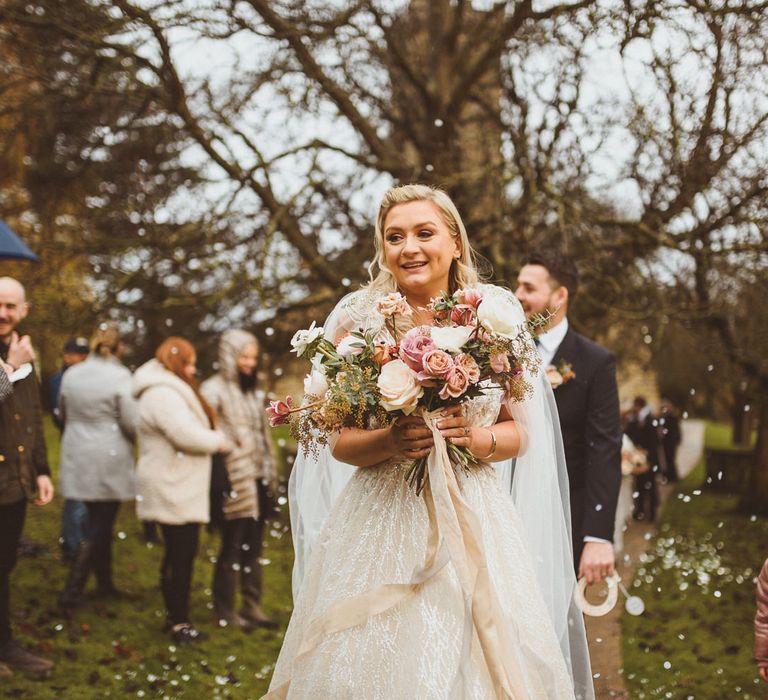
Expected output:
(466, 431)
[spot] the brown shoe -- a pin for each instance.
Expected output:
(19, 659)
(256, 617)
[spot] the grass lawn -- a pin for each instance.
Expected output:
(697, 579)
(116, 649)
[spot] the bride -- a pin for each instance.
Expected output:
(463, 591)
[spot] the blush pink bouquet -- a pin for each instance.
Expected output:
(371, 377)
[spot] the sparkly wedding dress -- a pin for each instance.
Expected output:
(383, 609)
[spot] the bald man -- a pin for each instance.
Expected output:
(24, 472)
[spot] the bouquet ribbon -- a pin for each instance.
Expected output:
(454, 535)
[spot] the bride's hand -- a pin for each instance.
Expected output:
(411, 437)
(455, 428)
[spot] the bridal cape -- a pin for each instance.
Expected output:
(463, 592)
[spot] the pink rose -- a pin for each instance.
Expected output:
(463, 315)
(350, 345)
(456, 383)
(436, 363)
(499, 362)
(414, 345)
(279, 411)
(469, 297)
(393, 304)
(468, 365)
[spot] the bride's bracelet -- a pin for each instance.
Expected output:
(493, 445)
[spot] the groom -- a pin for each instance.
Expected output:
(583, 376)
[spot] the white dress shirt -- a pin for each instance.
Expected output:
(550, 341)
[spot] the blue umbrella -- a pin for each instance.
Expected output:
(12, 247)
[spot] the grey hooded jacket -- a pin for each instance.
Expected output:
(243, 420)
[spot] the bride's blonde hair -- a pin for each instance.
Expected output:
(463, 272)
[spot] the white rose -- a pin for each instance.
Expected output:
(350, 345)
(399, 387)
(499, 315)
(451, 338)
(315, 383)
(304, 338)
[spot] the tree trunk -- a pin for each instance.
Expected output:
(741, 419)
(755, 496)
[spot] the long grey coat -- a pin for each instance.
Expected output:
(243, 420)
(99, 417)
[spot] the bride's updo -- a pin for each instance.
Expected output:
(463, 272)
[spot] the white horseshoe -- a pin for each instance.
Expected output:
(603, 608)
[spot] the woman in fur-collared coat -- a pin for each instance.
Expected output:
(251, 470)
(177, 437)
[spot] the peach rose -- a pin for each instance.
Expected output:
(468, 364)
(393, 304)
(382, 353)
(456, 383)
(436, 364)
(554, 377)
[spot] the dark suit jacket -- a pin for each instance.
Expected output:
(590, 422)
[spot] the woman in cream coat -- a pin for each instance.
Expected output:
(177, 437)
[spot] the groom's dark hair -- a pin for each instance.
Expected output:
(561, 269)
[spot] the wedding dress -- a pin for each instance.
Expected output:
(395, 600)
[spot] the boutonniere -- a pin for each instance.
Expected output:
(560, 374)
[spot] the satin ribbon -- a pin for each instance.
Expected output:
(454, 535)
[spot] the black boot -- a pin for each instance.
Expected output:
(102, 568)
(71, 596)
(224, 584)
(251, 612)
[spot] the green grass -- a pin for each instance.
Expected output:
(116, 649)
(697, 580)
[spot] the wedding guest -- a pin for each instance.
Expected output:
(588, 407)
(761, 623)
(642, 430)
(233, 394)
(177, 436)
(96, 468)
(633, 462)
(74, 514)
(24, 469)
(670, 437)
(74, 352)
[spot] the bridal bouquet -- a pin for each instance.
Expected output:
(365, 379)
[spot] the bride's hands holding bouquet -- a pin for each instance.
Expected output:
(411, 437)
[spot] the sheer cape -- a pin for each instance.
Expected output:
(539, 490)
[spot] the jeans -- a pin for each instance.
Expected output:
(11, 525)
(176, 569)
(74, 520)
